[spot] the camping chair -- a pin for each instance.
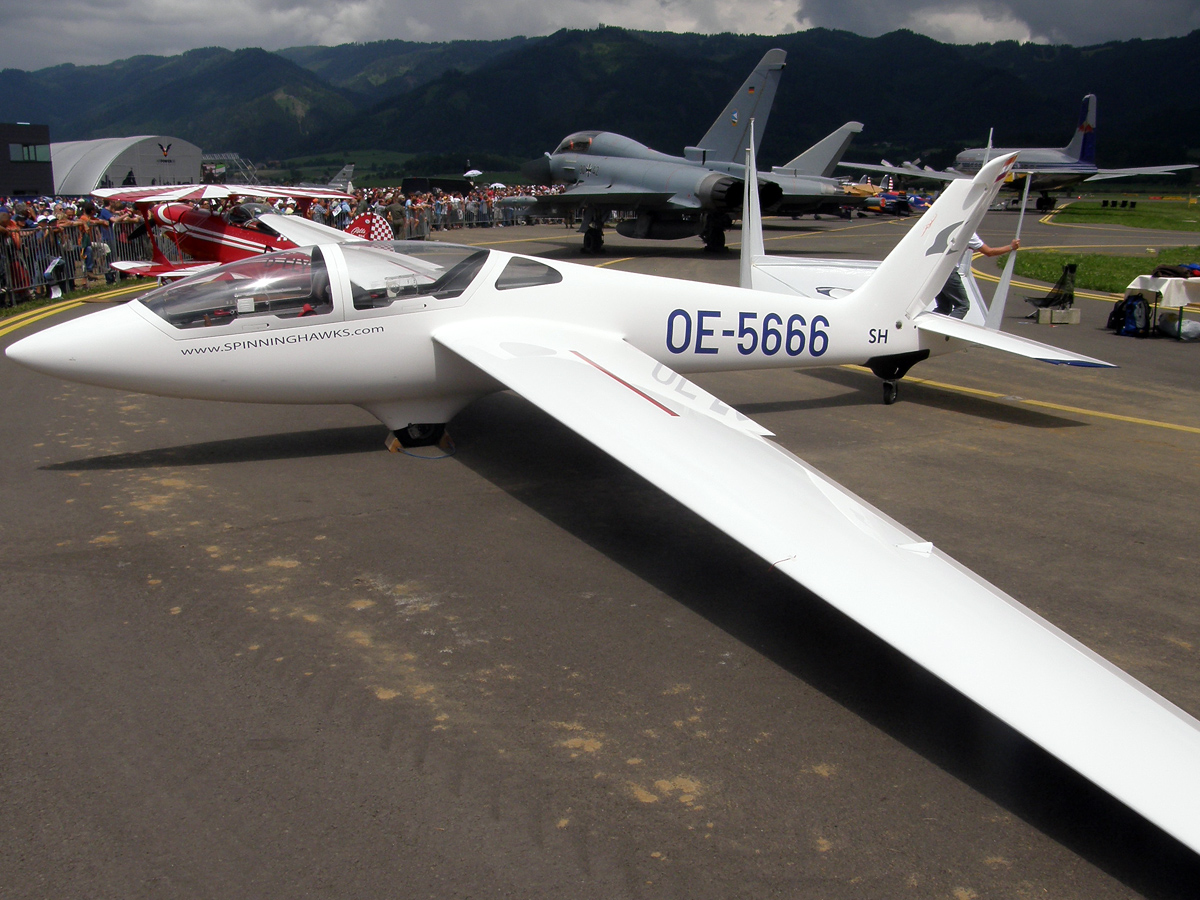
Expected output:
(1061, 296)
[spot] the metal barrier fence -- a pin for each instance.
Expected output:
(50, 260)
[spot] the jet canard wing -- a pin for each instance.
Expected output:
(1015, 664)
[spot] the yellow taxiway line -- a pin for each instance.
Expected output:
(14, 323)
(42, 312)
(1042, 404)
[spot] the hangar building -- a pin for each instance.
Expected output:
(143, 161)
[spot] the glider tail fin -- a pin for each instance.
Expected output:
(727, 138)
(822, 157)
(752, 234)
(912, 274)
(1083, 144)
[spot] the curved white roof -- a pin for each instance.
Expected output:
(81, 166)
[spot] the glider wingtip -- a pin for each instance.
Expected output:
(1079, 363)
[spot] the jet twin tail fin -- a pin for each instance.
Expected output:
(727, 138)
(822, 157)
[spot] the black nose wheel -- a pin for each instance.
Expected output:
(890, 390)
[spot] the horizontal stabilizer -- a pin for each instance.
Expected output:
(999, 340)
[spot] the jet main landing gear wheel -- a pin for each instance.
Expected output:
(593, 241)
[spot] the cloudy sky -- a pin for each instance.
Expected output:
(39, 33)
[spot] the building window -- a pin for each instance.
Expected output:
(29, 152)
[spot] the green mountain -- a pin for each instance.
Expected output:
(917, 97)
(249, 101)
(384, 68)
(525, 101)
(521, 96)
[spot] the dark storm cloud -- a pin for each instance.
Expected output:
(49, 32)
(1078, 22)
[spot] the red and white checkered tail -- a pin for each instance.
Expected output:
(371, 227)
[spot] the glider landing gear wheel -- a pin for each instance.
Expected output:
(420, 435)
(890, 390)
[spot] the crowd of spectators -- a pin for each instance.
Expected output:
(68, 233)
(49, 244)
(416, 214)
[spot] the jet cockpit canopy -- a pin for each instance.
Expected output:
(579, 142)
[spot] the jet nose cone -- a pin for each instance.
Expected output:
(538, 170)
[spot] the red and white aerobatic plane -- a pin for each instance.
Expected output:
(413, 332)
(211, 238)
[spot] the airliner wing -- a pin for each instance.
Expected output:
(1000, 340)
(1015, 664)
(1102, 174)
(908, 171)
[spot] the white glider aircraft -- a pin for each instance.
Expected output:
(414, 332)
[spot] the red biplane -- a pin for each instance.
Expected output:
(212, 238)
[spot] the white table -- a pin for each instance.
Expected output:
(1173, 293)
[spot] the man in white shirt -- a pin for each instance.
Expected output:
(952, 300)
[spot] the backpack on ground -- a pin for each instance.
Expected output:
(1131, 316)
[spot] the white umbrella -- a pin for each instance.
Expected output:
(497, 185)
(471, 173)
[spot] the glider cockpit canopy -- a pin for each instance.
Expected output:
(294, 283)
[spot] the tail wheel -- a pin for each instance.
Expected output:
(890, 391)
(421, 435)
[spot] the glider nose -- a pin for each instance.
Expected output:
(97, 348)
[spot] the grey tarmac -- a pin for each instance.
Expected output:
(247, 652)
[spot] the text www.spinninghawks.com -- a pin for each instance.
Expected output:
(280, 340)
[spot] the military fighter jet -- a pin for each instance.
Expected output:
(1050, 168)
(413, 332)
(672, 197)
